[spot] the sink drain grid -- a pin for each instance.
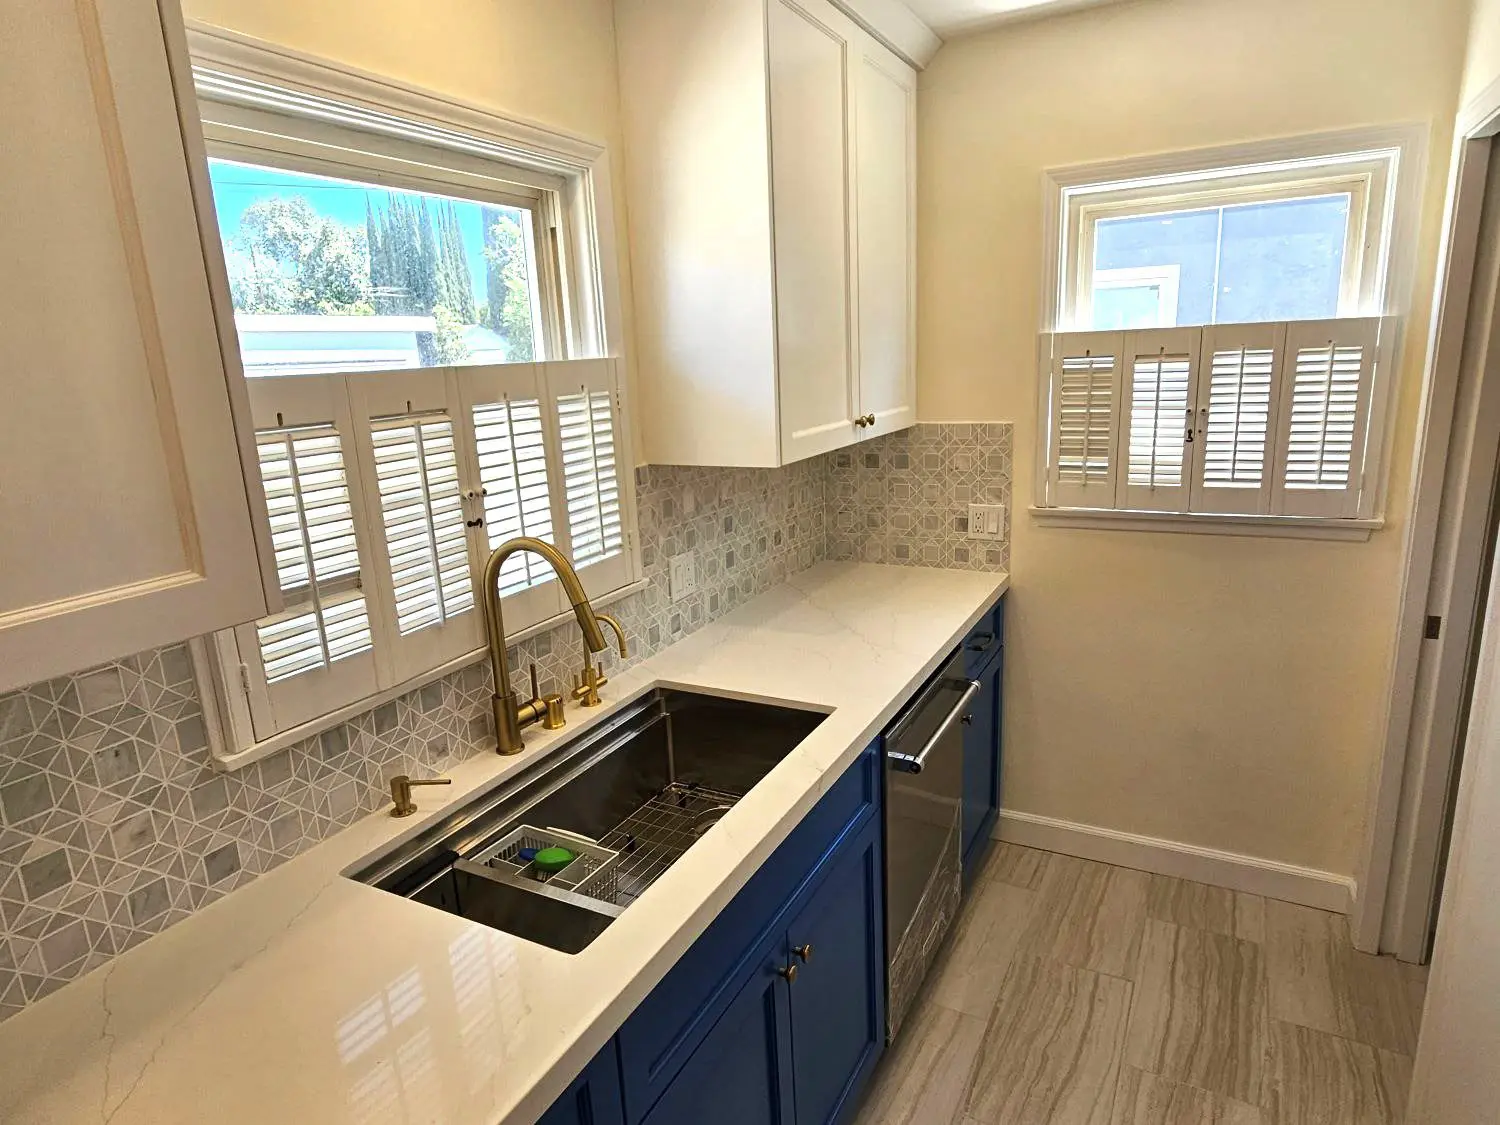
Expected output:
(653, 837)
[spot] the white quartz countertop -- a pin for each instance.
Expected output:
(308, 997)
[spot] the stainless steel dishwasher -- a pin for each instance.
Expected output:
(924, 755)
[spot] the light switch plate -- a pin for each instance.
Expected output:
(987, 521)
(682, 575)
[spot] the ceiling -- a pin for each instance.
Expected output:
(953, 17)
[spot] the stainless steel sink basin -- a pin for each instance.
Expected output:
(628, 799)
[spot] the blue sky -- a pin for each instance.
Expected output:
(237, 186)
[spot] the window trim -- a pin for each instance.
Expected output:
(1393, 300)
(242, 81)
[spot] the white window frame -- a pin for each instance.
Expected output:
(272, 106)
(1383, 165)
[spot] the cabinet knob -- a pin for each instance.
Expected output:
(967, 720)
(869, 419)
(788, 973)
(804, 952)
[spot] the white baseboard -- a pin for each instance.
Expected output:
(1285, 881)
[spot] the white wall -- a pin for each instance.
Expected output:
(1225, 692)
(1457, 1075)
(1482, 64)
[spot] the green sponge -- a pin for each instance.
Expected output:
(553, 860)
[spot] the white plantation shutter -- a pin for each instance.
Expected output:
(317, 560)
(588, 435)
(1328, 372)
(1160, 391)
(1083, 369)
(415, 480)
(1238, 394)
(416, 473)
(321, 646)
(506, 444)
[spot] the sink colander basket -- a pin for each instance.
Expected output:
(592, 873)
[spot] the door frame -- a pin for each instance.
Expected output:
(1444, 573)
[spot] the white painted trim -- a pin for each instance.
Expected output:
(1287, 882)
(1203, 523)
(1477, 121)
(227, 759)
(896, 26)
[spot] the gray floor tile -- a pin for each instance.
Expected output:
(1089, 915)
(1149, 1099)
(1322, 1079)
(1199, 1011)
(968, 976)
(1051, 1052)
(925, 1076)
(1319, 980)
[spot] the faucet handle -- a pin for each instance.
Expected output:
(536, 691)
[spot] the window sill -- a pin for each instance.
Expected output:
(227, 759)
(1266, 527)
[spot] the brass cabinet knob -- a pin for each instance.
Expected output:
(860, 422)
(788, 973)
(804, 952)
(869, 419)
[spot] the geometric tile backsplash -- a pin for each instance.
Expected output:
(114, 825)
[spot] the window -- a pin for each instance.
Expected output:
(407, 300)
(1219, 335)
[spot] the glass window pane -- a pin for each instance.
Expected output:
(1129, 306)
(331, 275)
(1186, 240)
(1283, 260)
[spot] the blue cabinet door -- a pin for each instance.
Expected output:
(596, 1096)
(836, 941)
(982, 765)
(741, 1072)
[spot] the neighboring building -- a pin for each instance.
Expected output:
(307, 345)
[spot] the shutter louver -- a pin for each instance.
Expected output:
(1085, 371)
(416, 472)
(591, 482)
(1161, 393)
(1325, 411)
(1242, 366)
(510, 444)
(317, 557)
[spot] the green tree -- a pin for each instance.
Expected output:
(448, 341)
(508, 283)
(287, 258)
(455, 284)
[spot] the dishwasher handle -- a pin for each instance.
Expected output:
(913, 763)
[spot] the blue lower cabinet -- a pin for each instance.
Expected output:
(596, 1096)
(776, 1014)
(981, 800)
(836, 944)
(741, 1072)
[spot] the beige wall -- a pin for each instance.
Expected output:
(1225, 692)
(1482, 65)
(552, 63)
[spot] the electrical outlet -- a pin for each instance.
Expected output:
(682, 578)
(986, 521)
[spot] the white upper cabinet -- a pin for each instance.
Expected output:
(126, 521)
(770, 164)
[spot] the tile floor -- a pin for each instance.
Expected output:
(1075, 993)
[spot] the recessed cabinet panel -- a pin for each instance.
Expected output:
(122, 494)
(885, 202)
(810, 215)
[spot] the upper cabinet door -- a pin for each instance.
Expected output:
(885, 181)
(122, 495)
(810, 182)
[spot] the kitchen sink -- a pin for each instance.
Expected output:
(627, 799)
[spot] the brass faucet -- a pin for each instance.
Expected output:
(588, 682)
(510, 713)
